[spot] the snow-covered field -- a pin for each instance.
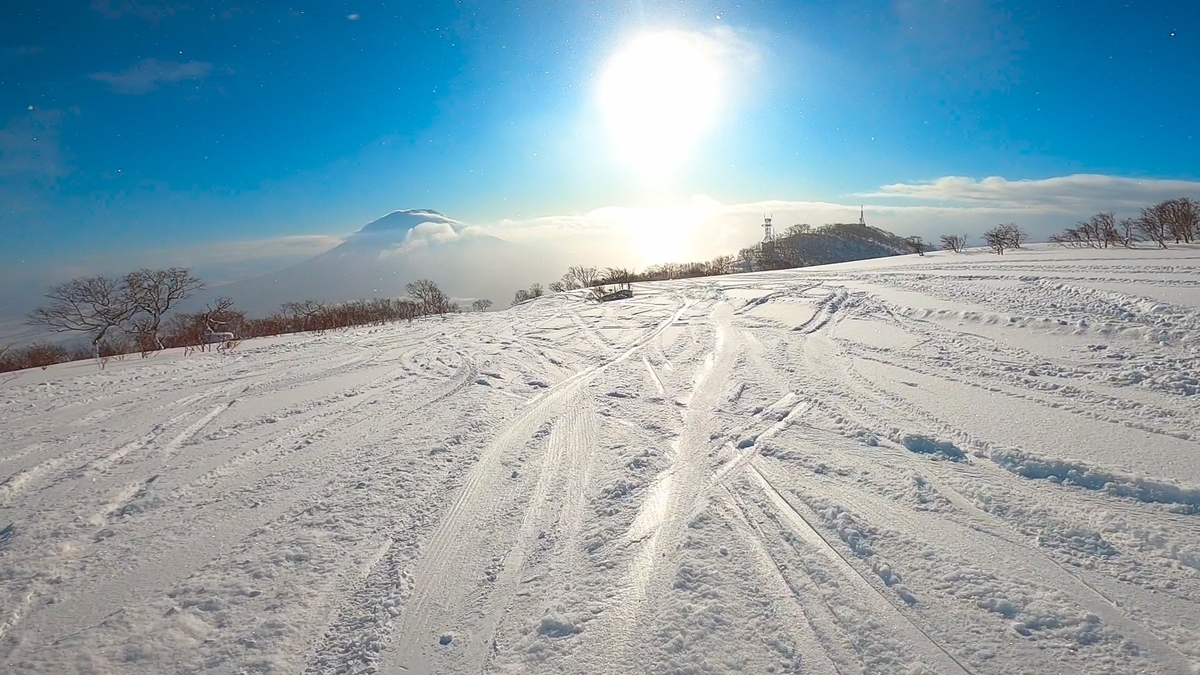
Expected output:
(950, 464)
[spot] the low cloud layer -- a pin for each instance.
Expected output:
(150, 74)
(1065, 193)
(702, 227)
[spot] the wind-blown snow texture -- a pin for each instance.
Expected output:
(951, 464)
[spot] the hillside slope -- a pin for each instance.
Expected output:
(950, 464)
(802, 246)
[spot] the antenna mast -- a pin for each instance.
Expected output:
(862, 220)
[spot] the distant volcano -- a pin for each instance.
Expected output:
(404, 221)
(382, 257)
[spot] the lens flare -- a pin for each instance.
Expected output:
(658, 97)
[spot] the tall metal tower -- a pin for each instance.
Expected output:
(768, 230)
(862, 220)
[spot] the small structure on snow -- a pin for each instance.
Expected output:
(620, 294)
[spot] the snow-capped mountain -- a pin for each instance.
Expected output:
(386, 254)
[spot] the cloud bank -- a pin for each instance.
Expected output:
(702, 227)
(1064, 193)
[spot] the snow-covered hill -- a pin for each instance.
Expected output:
(388, 253)
(949, 464)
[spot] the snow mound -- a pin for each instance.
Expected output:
(1142, 489)
(554, 626)
(927, 445)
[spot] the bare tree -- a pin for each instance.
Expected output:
(722, 264)
(1104, 229)
(5, 366)
(219, 317)
(1099, 231)
(787, 253)
(997, 239)
(481, 305)
(523, 295)
(751, 258)
(1154, 223)
(429, 297)
(577, 276)
(1183, 219)
(43, 355)
(302, 314)
(1015, 235)
(217, 324)
(917, 244)
(1005, 236)
(584, 276)
(1128, 228)
(153, 293)
(954, 242)
(92, 305)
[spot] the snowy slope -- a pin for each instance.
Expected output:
(950, 464)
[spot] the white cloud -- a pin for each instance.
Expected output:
(427, 233)
(1064, 193)
(150, 74)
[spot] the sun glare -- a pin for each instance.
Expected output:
(658, 97)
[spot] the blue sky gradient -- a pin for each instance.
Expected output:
(138, 125)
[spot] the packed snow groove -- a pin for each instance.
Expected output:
(957, 463)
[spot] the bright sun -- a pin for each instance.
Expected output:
(658, 96)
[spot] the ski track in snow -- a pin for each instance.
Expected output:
(949, 464)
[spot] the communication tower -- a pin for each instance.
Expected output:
(768, 230)
(862, 220)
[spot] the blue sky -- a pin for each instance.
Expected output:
(259, 133)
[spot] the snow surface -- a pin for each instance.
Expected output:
(949, 464)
